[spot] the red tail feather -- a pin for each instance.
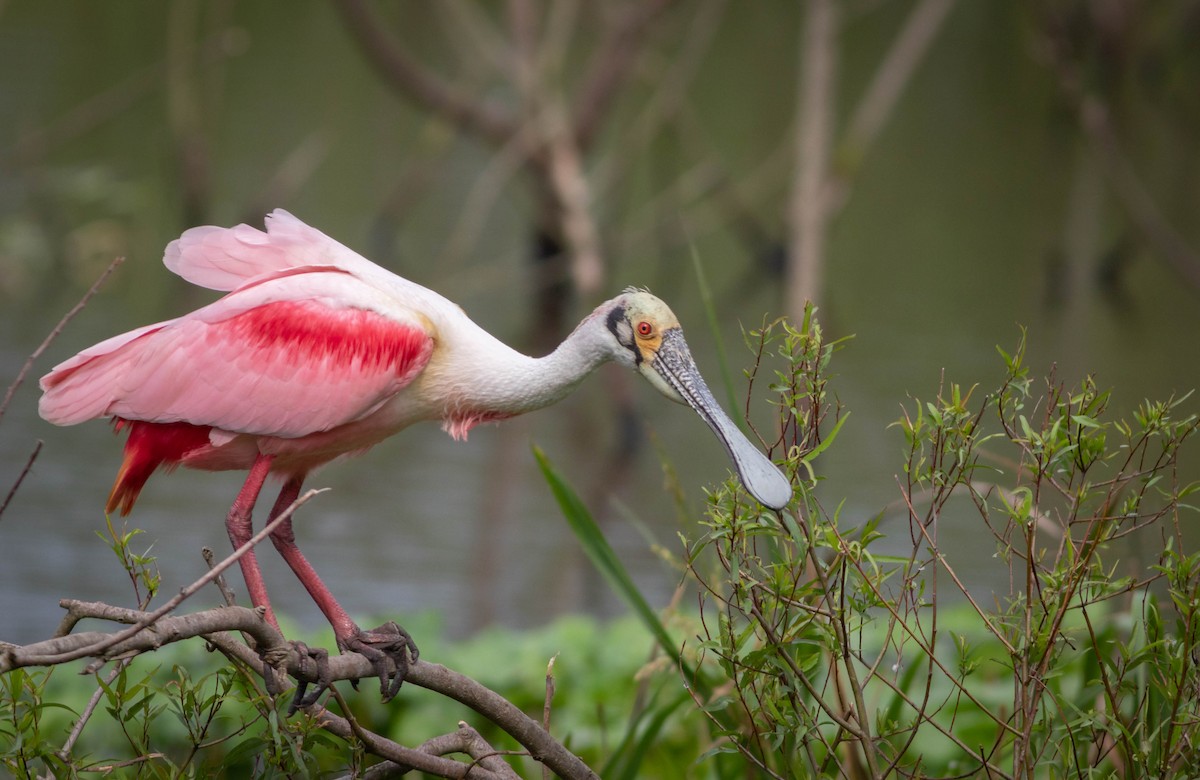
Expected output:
(149, 446)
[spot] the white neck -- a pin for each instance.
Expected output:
(480, 375)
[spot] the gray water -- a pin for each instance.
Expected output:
(976, 190)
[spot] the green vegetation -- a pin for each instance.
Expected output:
(809, 643)
(820, 655)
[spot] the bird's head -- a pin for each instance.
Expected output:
(650, 340)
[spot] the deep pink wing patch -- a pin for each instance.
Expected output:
(280, 368)
(302, 332)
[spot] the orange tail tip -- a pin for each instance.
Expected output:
(149, 446)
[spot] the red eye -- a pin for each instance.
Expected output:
(644, 329)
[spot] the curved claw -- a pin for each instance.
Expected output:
(319, 658)
(379, 645)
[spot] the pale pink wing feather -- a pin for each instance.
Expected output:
(287, 357)
(226, 258)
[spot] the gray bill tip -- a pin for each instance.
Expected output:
(765, 482)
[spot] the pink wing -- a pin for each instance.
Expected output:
(225, 258)
(287, 356)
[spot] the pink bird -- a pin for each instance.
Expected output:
(315, 353)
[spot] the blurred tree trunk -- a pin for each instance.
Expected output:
(814, 130)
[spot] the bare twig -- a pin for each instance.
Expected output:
(64, 648)
(470, 742)
(405, 757)
(226, 592)
(12, 389)
(546, 704)
(114, 640)
(21, 477)
(65, 751)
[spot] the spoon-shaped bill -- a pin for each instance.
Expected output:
(762, 478)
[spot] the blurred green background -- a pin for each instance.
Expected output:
(1034, 164)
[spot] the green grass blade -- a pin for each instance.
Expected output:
(626, 761)
(710, 311)
(602, 555)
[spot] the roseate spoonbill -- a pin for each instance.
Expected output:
(316, 352)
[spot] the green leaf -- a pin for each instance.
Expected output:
(602, 556)
(710, 311)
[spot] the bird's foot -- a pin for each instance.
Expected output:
(314, 664)
(388, 642)
(274, 668)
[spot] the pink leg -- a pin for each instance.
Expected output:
(388, 642)
(285, 542)
(238, 524)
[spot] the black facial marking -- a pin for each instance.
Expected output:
(619, 326)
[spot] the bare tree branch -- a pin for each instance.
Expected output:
(814, 128)
(895, 71)
(465, 740)
(77, 730)
(426, 758)
(891, 77)
(37, 353)
(414, 82)
(571, 199)
(1095, 120)
(1139, 204)
(217, 625)
(611, 64)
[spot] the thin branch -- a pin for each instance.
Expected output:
(895, 72)
(64, 752)
(226, 592)
(61, 649)
(426, 758)
(185, 593)
(12, 389)
(1096, 123)
(21, 477)
(414, 82)
(546, 704)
